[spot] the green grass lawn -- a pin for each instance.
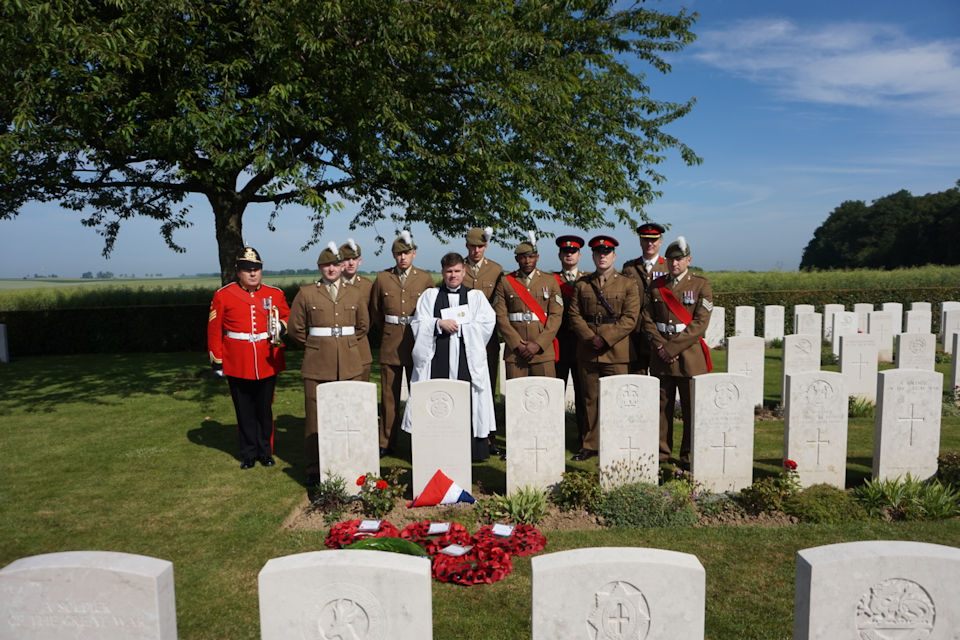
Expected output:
(137, 453)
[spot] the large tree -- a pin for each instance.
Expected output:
(454, 113)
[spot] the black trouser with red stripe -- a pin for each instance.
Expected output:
(253, 402)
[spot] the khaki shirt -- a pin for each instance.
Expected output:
(545, 290)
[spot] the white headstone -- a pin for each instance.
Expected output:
(844, 324)
(346, 594)
(347, 430)
(744, 321)
(4, 348)
(800, 354)
(921, 306)
(947, 305)
(570, 394)
(918, 321)
(949, 326)
(502, 373)
(858, 364)
(896, 313)
(722, 440)
(862, 309)
(745, 356)
(955, 365)
(441, 434)
(815, 427)
(773, 322)
(797, 310)
(809, 323)
(76, 595)
(629, 420)
(915, 351)
(828, 312)
(906, 433)
(877, 590)
(716, 330)
(404, 386)
(617, 592)
(535, 421)
(880, 324)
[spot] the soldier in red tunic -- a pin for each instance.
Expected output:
(247, 319)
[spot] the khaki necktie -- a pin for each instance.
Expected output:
(403, 278)
(332, 288)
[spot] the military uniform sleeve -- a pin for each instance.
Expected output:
(215, 330)
(554, 311)
(376, 303)
(297, 326)
(578, 325)
(510, 335)
(649, 325)
(698, 326)
(362, 326)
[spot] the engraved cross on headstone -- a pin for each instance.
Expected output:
(861, 363)
(536, 449)
(911, 419)
(724, 448)
(746, 370)
(345, 430)
(819, 442)
(630, 449)
(619, 618)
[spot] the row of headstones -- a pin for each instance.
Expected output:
(835, 320)
(870, 589)
(906, 435)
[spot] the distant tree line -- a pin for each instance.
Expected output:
(898, 230)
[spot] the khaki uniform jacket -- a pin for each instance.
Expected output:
(585, 311)
(545, 290)
(329, 357)
(389, 297)
(486, 282)
(565, 336)
(694, 292)
(366, 286)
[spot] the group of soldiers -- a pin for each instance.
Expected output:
(648, 318)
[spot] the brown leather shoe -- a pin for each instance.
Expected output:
(585, 454)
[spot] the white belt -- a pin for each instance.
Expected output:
(525, 316)
(670, 328)
(327, 332)
(397, 319)
(251, 337)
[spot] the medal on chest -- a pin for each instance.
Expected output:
(689, 297)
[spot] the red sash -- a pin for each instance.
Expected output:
(535, 307)
(682, 314)
(565, 286)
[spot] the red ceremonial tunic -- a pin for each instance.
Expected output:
(237, 310)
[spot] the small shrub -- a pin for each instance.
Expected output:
(623, 472)
(822, 504)
(950, 407)
(646, 505)
(766, 495)
(524, 506)
(908, 499)
(776, 343)
(330, 497)
(378, 495)
(578, 490)
(858, 407)
(711, 504)
(948, 469)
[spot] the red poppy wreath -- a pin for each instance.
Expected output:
(524, 540)
(345, 533)
(477, 566)
(419, 532)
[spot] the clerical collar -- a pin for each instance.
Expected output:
(449, 290)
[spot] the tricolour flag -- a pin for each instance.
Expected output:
(441, 490)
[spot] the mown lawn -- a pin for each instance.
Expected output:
(137, 453)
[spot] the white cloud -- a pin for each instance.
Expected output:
(857, 64)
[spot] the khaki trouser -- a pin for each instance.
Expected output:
(669, 385)
(523, 369)
(590, 374)
(391, 379)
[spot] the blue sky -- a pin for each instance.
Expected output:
(800, 106)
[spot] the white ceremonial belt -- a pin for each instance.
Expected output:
(327, 332)
(525, 316)
(670, 328)
(397, 319)
(251, 337)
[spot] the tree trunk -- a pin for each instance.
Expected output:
(228, 216)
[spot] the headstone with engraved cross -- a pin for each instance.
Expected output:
(809, 323)
(918, 321)
(815, 426)
(800, 353)
(629, 420)
(535, 419)
(896, 314)
(858, 364)
(716, 330)
(773, 322)
(722, 441)
(906, 433)
(745, 356)
(744, 320)
(347, 430)
(880, 324)
(844, 324)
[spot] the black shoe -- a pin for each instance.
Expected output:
(385, 451)
(494, 449)
(247, 463)
(267, 461)
(584, 454)
(313, 479)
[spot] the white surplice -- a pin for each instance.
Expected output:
(475, 335)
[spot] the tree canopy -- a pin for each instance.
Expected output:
(451, 113)
(898, 230)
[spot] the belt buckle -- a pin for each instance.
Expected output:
(252, 337)
(403, 320)
(527, 316)
(336, 332)
(598, 319)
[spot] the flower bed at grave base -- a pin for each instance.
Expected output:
(485, 558)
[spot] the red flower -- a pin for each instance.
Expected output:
(790, 465)
(361, 481)
(381, 484)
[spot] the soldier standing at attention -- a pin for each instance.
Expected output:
(675, 317)
(529, 311)
(393, 302)
(603, 314)
(484, 275)
(645, 269)
(567, 361)
(350, 253)
(244, 327)
(328, 318)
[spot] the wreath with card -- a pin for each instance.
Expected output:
(479, 565)
(346, 533)
(523, 540)
(433, 536)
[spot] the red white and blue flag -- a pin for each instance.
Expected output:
(441, 490)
